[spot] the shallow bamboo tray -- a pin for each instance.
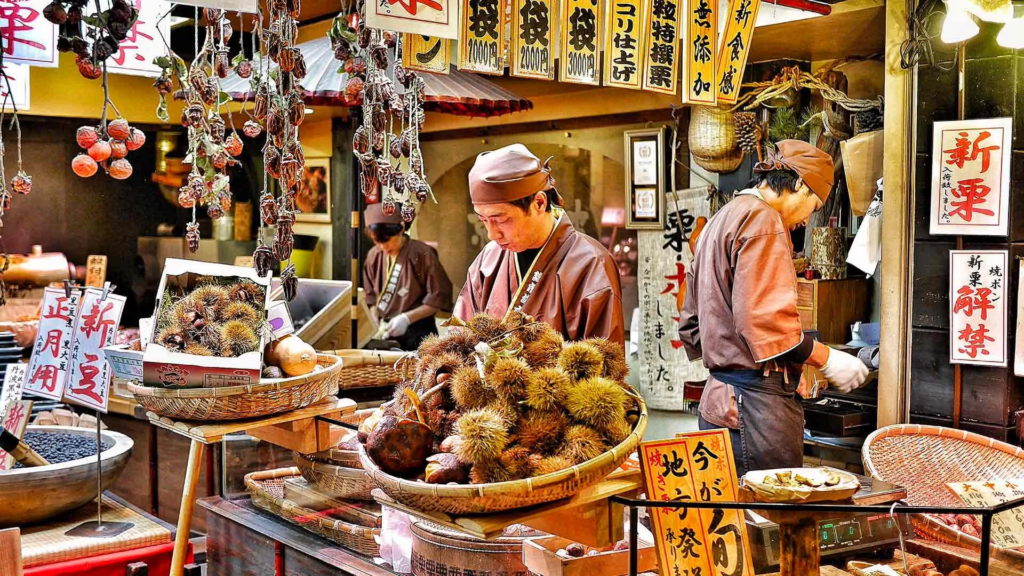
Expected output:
(372, 369)
(270, 396)
(499, 496)
(338, 481)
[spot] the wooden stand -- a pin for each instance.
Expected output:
(298, 430)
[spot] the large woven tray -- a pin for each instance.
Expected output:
(338, 481)
(499, 496)
(371, 369)
(270, 396)
(923, 459)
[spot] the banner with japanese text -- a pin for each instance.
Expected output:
(625, 44)
(700, 50)
(971, 177)
(49, 364)
(18, 76)
(696, 467)
(89, 379)
(28, 37)
(580, 36)
(977, 297)
(664, 257)
(439, 18)
(533, 31)
(14, 412)
(661, 71)
(426, 53)
(732, 59)
(143, 44)
(481, 41)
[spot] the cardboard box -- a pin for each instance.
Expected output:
(165, 368)
(539, 556)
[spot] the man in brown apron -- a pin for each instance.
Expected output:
(536, 261)
(740, 311)
(404, 282)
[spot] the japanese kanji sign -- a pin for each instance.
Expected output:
(732, 58)
(426, 53)
(661, 71)
(696, 467)
(27, 37)
(971, 177)
(579, 40)
(89, 379)
(17, 74)
(664, 257)
(625, 44)
(700, 50)
(15, 420)
(1007, 527)
(533, 32)
(481, 41)
(137, 51)
(977, 297)
(14, 381)
(51, 356)
(439, 18)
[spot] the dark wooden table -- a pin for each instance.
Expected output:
(242, 540)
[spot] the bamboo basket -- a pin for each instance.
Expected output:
(499, 496)
(372, 369)
(923, 459)
(267, 487)
(270, 396)
(337, 481)
(340, 456)
(712, 138)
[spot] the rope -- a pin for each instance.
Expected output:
(794, 79)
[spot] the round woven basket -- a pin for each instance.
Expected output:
(267, 487)
(498, 496)
(372, 369)
(338, 481)
(270, 396)
(712, 139)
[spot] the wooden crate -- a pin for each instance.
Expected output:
(539, 556)
(831, 306)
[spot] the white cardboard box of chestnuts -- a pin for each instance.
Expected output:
(166, 364)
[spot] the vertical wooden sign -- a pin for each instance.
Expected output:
(700, 53)
(739, 29)
(625, 44)
(532, 54)
(580, 36)
(95, 270)
(481, 38)
(661, 71)
(425, 53)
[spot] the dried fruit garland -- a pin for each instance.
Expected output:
(21, 183)
(107, 144)
(94, 37)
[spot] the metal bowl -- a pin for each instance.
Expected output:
(31, 495)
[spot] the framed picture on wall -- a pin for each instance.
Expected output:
(645, 178)
(314, 197)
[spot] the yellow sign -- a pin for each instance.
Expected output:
(482, 37)
(661, 71)
(696, 467)
(430, 17)
(426, 53)
(625, 45)
(701, 53)
(95, 270)
(580, 36)
(532, 54)
(739, 29)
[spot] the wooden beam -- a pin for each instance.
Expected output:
(659, 115)
(898, 232)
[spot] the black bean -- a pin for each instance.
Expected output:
(57, 447)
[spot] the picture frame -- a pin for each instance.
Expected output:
(645, 158)
(314, 197)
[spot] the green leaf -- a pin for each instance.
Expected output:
(96, 21)
(275, 73)
(135, 17)
(162, 61)
(223, 98)
(238, 59)
(161, 110)
(348, 35)
(179, 67)
(341, 69)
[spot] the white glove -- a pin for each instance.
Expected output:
(398, 326)
(844, 372)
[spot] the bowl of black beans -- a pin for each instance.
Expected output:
(29, 495)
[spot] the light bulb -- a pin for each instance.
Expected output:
(1012, 34)
(958, 27)
(998, 11)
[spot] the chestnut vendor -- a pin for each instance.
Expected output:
(403, 279)
(536, 261)
(740, 312)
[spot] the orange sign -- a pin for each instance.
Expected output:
(533, 30)
(661, 72)
(581, 35)
(482, 37)
(739, 29)
(700, 53)
(426, 53)
(625, 44)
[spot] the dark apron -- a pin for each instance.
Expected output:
(771, 433)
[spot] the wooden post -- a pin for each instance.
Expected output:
(10, 551)
(798, 544)
(188, 501)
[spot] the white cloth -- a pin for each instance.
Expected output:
(395, 540)
(866, 250)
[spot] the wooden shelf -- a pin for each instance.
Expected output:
(840, 35)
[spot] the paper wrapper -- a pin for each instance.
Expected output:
(847, 487)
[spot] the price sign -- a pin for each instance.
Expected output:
(533, 28)
(482, 38)
(581, 34)
(1007, 527)
(977, 297)
(89, 379)
(51, 356)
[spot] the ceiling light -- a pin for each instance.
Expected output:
(1012, 34)
(958, 26)
(998, 11)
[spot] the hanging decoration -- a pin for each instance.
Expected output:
(95, 37)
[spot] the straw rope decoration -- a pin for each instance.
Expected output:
(794, 79)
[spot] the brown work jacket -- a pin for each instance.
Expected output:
(420, 280)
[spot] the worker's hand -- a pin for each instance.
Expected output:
(398, 326)
(844, 372)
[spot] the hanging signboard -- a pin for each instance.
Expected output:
(438, 18)
(625, 44)
(661, 71)
(143, 44)
(247, 6)
(49, 365)
(665, 256)
(28, 37)
(481, 42)
(18, 76)
(89, 379)
(532, 53)
(977, 297)
(971, 177)
(739, 28)
(700, 53)
(426, 53)
(696, 467)
(580, 36)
